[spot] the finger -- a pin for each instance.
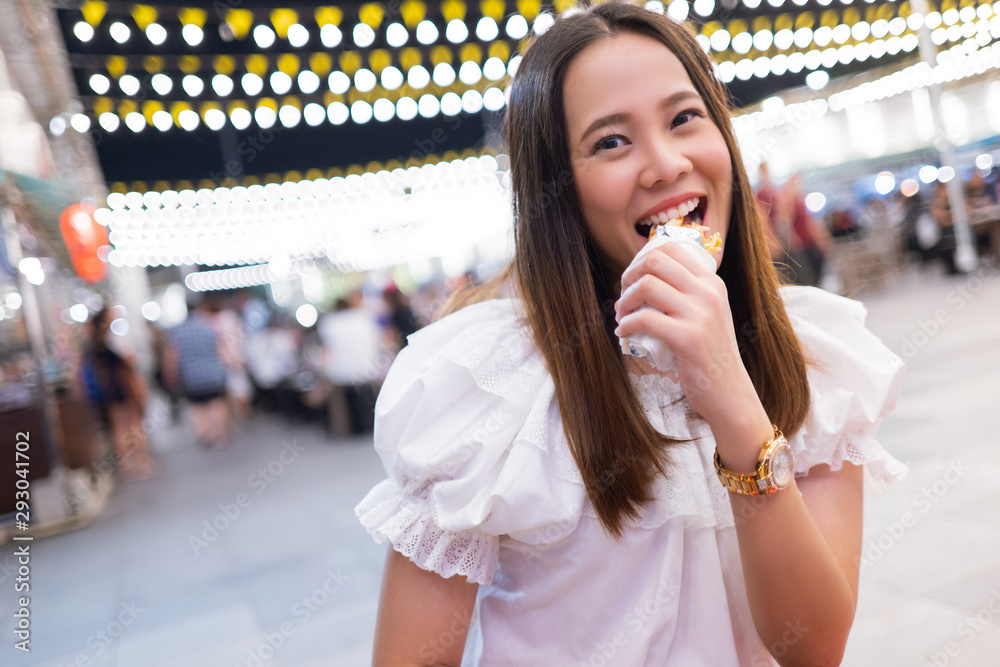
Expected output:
(652, 323)
(651, 291)
(661, 263)
(685, 255)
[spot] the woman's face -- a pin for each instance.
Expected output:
(642, 145)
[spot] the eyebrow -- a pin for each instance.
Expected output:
(611, 119)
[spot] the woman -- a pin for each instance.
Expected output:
(941, 212)
(120, 394)
(813, 239)
(232, 334)
(193, 363)
(570, 495)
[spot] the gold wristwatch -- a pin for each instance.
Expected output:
(774, 471)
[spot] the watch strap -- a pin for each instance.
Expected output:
(751, 485)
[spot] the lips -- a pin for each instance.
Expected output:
(690, 211)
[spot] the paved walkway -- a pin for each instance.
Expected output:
(252, 556)
(930, 590)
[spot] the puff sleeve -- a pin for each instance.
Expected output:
(854, 381)
(465, 424)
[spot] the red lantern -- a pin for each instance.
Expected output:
(83, 236)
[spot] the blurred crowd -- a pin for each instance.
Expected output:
(798, 244)
(236, 356)
(876, 234)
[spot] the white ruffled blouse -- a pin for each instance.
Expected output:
(482, 484)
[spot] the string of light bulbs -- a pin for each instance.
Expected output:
(353, 221)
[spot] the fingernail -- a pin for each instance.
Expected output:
(618, 331)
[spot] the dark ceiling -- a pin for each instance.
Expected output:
(174, 155)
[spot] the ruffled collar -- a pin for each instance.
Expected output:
(653, 387)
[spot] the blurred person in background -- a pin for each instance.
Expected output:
(194, 365)
(311, 382)
(777, 230)
(981, 196)
(355, 354)
(843, 224)
(116, 387)
(941, 213)
(232, 334)
(993, 182)
(776, 214)
(14, 392)
(810, 238)
(272, 358)
(919, 231)
(895, 208)
(402, 319)
(426, 302)
(159, 341)
(977, 193)
(252, 310)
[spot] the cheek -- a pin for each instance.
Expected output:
(722, 166)
(602, 197)
(721, 173)
(719, 169)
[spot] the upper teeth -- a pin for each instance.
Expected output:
(674, 213)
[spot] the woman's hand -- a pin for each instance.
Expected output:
(690, 313)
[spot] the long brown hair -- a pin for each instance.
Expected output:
(568, 301)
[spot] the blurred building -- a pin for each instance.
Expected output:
(51, 276)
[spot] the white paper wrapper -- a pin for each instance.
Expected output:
(657, 352)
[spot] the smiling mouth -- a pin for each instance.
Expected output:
(690, 213)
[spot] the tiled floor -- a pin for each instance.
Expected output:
(925, 581)
(284, 575)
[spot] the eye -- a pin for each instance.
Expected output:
(687, 116)
(609, 142)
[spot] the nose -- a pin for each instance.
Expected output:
(664, 161)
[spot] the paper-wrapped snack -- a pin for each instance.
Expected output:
(691, 239)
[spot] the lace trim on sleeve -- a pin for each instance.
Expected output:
(882, 470)
(407, 522)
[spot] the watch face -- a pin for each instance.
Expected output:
(781, 466)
